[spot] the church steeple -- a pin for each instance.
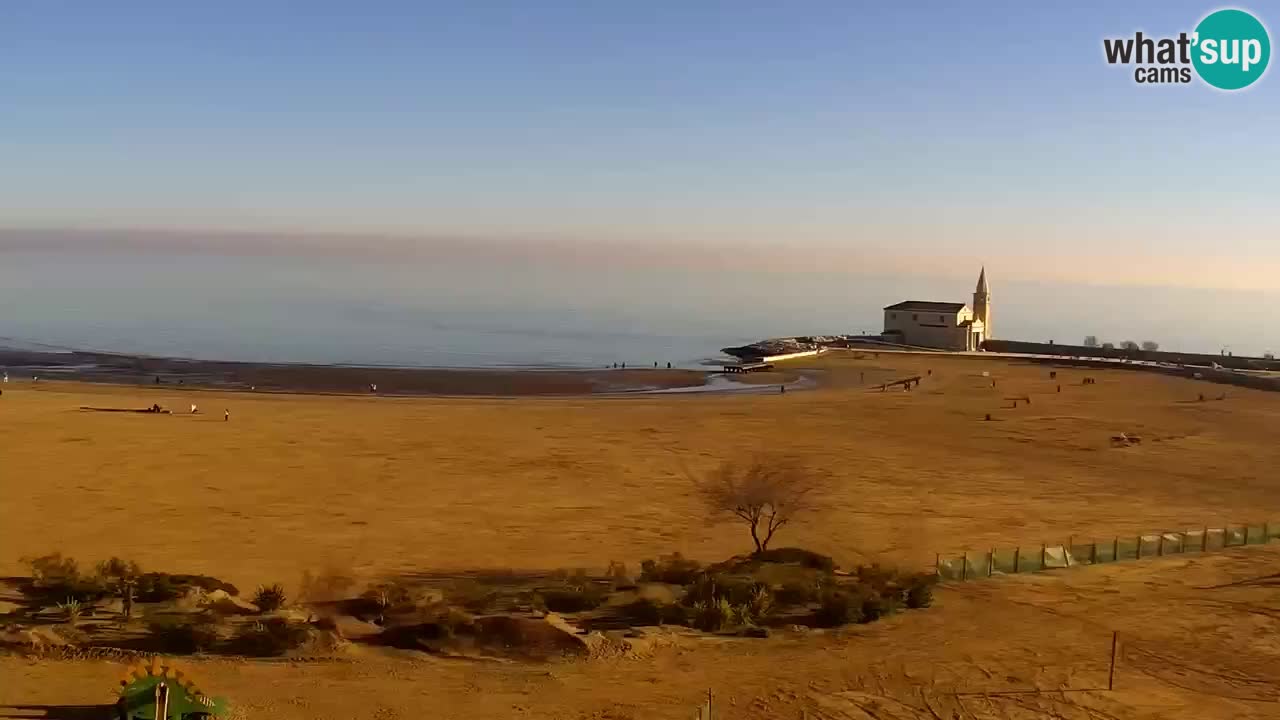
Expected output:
(982, 302)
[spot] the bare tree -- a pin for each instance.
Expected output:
(1129, 345)
(766, 492)
(1150, 345)
(1091, 341)
(1108, 346)
(1269, 355)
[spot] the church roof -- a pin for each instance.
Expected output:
(927, 306)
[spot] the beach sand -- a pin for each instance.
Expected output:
(295, 482)
(373, 485)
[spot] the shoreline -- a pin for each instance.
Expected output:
(143, 371)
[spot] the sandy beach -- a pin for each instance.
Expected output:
(380, 484)
(385, 485)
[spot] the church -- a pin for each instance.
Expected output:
(941, 325)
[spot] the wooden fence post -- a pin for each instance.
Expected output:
(1182, 542)
(1204, 540)
(1043, 548)
(1111, 677)
(964, 566)
(991, 561)
(1115, 549)
(1017, 558)
(1093, 553)
(937, 564)
(1160, 545)
(1139, 550)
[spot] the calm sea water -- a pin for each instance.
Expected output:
(491, 314)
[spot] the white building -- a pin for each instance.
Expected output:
(942, 325)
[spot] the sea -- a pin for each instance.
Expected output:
(465, 312)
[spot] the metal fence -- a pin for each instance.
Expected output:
(1006, 561)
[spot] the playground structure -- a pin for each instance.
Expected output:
(159, 691)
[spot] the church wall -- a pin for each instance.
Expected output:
(950, 337)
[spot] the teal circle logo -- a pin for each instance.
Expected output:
(1232, 49)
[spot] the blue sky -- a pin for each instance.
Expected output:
(938, 130)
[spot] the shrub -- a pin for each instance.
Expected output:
(71, 609)
(876, 605)
(759, 607)
(58, 576)
(160, 586)
(876, 577)
(184, 638)
(920, 591)
(449, 623)
(331, 584)
(117, 570)
(838, 607)
(797, 592)
(714, 616)
(269, 598)
(617, 573)
(674, 569)
(576, 595)
(387, 595)
(798, 556)
(710, 588)
(53, 570)
(272, 636)
(648, 612)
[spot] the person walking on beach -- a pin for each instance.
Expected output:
(226, 416)
(194, 409)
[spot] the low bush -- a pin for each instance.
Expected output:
(270, 597)
(838, 607)
(160, 586)
(618, 575)
(59, 577)
(449, 623)
(270, 637)
(714, 616)
(798, 556)
(71, 609)
(182, 637)
(674, 569)
(648, 612)
(798, 592)
(576, 595)
(710, 588)
(328, 586)
(878, 578)
(758, 607)
(919, 592)
(117, 570)
(876, 605)
(53, 570)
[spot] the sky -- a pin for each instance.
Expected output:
(924, 136)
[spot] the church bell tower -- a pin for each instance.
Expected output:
(982, 302)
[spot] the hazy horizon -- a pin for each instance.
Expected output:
(489, 309)
(920, 139)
